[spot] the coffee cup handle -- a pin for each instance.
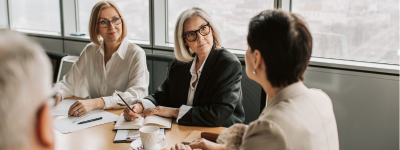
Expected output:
(163, 139)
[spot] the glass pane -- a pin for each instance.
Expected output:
(3, 14)
(361, 30)
(39, 15)
(135, 12)
(230, 16)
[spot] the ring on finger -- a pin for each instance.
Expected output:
(78, 111)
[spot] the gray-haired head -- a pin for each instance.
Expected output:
(25, 80)
(182, 52)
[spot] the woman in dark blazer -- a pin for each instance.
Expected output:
(203, 86)
(296, 117)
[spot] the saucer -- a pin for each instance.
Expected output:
(137, 144)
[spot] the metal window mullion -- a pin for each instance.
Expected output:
(61, 19)
(77, 25)
(8, 13)
(151, 25)
(276, 4)
(166, 22)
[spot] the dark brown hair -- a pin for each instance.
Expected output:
(285, 44)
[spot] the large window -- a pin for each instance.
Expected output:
(230, 16)
(362, 30)
(135, 12)
(37, 15)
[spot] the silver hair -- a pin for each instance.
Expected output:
(182, 52)
(25, 77)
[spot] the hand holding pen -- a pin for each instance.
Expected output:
(131, 112)
(133, 115)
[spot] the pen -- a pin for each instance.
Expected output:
(124, 101)
(90, 120)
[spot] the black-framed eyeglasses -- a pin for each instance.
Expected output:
(192, 35)
(114, 21)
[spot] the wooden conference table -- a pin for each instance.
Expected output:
(101, 137)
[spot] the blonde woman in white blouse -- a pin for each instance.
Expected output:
(107, 64)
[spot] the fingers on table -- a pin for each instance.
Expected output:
(73, 110)
(198, 144)
(81, 113)
(150, 111)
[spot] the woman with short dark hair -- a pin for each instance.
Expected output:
(296, 117)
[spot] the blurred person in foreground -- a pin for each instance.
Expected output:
(296, 117)
(25, 94)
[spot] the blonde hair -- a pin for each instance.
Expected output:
(25, 75)
(182, 52)
(94, 18)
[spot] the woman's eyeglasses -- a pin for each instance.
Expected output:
(192, 35)
(105, 24)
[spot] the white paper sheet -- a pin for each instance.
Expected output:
(62, 108)
(65, 125)
(121, 135)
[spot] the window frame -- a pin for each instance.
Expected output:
(158, 22)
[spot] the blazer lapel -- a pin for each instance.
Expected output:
(184, 83)
(205, 74)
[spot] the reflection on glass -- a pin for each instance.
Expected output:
(135, 12)
(230, 16)
(361, 30)
(39, 15)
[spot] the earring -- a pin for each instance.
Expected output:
(254, 72)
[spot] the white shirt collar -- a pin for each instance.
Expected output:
(193, 67)
(121, 51)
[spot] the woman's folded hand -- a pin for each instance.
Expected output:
(162, 111)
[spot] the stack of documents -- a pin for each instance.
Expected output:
(127, 136)
(67, 124)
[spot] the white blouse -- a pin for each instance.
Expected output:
(192, 89)
(126, 71)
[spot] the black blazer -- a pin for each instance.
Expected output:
(218, 97)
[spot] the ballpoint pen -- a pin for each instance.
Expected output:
(91, 120)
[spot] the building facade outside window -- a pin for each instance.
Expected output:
(360, 30)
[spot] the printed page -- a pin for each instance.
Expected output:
(162, 122)
(66, 125)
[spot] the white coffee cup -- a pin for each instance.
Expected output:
(149, 136)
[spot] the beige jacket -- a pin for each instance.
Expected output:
(297, 118)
